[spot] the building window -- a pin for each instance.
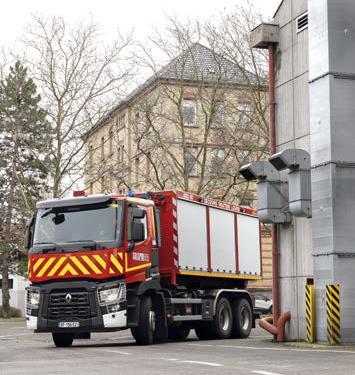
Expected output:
(111, 184)
(102, 148)
(91, 152)
(191, 161)
(11, 283)
(217, 161)
(246, 202)
(137, 169)
(102, 182)
(121, 120)
(148, 167)
(122, 154)
(244, 112)
(111, 141)
(189, 112)
(218, 115)
(302, 22)
(243, 156)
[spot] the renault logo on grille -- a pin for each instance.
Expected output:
(68, 298)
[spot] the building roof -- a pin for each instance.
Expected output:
(195, 65)
(278, 8)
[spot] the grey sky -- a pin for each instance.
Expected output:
(142, 15)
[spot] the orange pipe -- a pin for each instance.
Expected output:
(278, 330)
(272, 136)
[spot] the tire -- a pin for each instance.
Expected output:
(144, 333)
(242, 318)
(62, 340)
(178, 333)
(222, 324)
(270, 310)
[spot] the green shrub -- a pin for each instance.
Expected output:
(14, 312)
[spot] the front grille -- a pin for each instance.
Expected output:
(69, 311)
(69, 305)
(76, 299)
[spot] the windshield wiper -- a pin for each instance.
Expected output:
(92, 244)
(49, 211)
(52, 247)
(45, 243)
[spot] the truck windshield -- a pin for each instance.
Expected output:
(96, 223)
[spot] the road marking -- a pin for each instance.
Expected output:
(114, 351)
(203, 363)
(20, 334)
(277, 349)
(191, 361)
(265, 372)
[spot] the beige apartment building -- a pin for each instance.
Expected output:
(189, 127)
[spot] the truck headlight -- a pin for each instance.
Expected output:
(108, 296)
(33, 298)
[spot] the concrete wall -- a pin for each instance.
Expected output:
(292, 131)
(332, 86)
(17, 293)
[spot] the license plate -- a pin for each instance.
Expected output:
(68, 324)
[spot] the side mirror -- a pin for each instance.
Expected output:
(137, 235)
(28, 234)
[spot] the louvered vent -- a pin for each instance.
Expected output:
(302, 22)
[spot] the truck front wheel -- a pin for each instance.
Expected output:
(242, 318)
(144, 333)
(62, 340)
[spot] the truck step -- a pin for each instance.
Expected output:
(187, 301)
(183, 318)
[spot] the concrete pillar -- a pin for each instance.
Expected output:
(332, 130)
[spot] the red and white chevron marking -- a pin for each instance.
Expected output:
(175, 235)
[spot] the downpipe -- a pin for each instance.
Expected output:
(274, 325)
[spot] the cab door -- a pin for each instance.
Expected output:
(138, 242)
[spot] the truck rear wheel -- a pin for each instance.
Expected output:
(242, 318)
(62, 339)
(144, 333)
(221, 326)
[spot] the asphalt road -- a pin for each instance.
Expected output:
(22, 352)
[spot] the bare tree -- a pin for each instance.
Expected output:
(79, 77)
(206, 115)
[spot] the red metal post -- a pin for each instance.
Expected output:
(209, 266)
(236, 243)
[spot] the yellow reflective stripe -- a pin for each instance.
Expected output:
(67, 268)
(116, 263)
(120, 255)
(91, 264)
(112, 271)
(56, 266)
(81, 267)
(37, 264)
(101, 261)
(46, 266)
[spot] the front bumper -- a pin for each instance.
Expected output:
(83, 309)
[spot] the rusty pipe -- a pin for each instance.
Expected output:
(278, 329)
(272, 140)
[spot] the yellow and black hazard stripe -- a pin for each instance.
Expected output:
(333, 314)
(310, 313)
(105, 264)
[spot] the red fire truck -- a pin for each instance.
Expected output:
(159, 263)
